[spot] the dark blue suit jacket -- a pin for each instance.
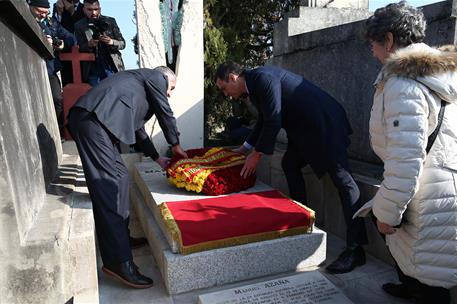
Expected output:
(316, 124)
(124, 102)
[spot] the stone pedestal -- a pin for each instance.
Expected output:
(214, 267)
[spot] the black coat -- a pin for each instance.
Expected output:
(68, 21)
(113, 55)
(124, 102)
(51, 27)
(316, 124)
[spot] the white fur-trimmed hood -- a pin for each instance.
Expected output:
(436, 68)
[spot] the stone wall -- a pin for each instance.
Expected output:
(29, 136)
(44, 238)
(355, 4)
(187, 98)
(338, 60)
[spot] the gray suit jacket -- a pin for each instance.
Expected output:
(124, 102)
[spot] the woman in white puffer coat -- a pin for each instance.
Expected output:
(419, 188)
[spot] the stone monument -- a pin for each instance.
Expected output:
(47, 244)
(187, 98)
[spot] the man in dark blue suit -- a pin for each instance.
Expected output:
(112, 112)
(318, 134)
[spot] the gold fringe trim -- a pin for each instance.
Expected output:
(170, 223)
(244, 239)
(173, 228)
(311, 211)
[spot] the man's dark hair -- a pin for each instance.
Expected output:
(90, 1)
(228, 67)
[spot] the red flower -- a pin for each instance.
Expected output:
(222, 181)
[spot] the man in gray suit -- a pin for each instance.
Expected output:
(112, 112)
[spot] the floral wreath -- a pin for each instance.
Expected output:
(212, 171)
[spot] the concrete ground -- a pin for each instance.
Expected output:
(363, 285)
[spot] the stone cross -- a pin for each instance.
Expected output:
(76, 57)
(72, 91)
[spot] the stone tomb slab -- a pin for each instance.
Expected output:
(156, 189)
(305, 288)
(216, 267)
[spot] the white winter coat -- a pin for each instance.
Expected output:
(419, 187)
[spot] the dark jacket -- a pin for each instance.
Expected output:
(124, 102)
(83, 34)
(68, 21)
(316, 124)
(53, 28)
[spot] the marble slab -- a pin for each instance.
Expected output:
(182, 273)
(305, 288)
(156, 189)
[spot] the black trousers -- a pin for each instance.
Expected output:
(425, 293)
(108, 184)
(348, 191)
(56, 90)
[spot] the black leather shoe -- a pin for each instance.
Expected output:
(127, 273)
(397, 290)
(349, 259)
(137, 242)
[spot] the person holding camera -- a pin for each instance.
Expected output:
(59, 38)
(100, 35)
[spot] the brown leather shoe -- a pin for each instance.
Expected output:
(127, 273)
(137, 242)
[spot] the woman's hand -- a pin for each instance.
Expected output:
(385, 228)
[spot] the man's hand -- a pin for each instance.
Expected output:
(176, 149)
(163, 162)
(107, 40)
(241, 149)
(59, 47)
(251, 164)
(385, 228)
(92, 43)
(49, 38)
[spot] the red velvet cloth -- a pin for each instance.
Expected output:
(211, 219)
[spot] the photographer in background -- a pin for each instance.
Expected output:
(68, 12)
(100, 35)
(59, 38)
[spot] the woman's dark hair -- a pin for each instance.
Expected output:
(228, 67)
(406, 23)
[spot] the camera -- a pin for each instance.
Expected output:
(98, 27)
(56, 42)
